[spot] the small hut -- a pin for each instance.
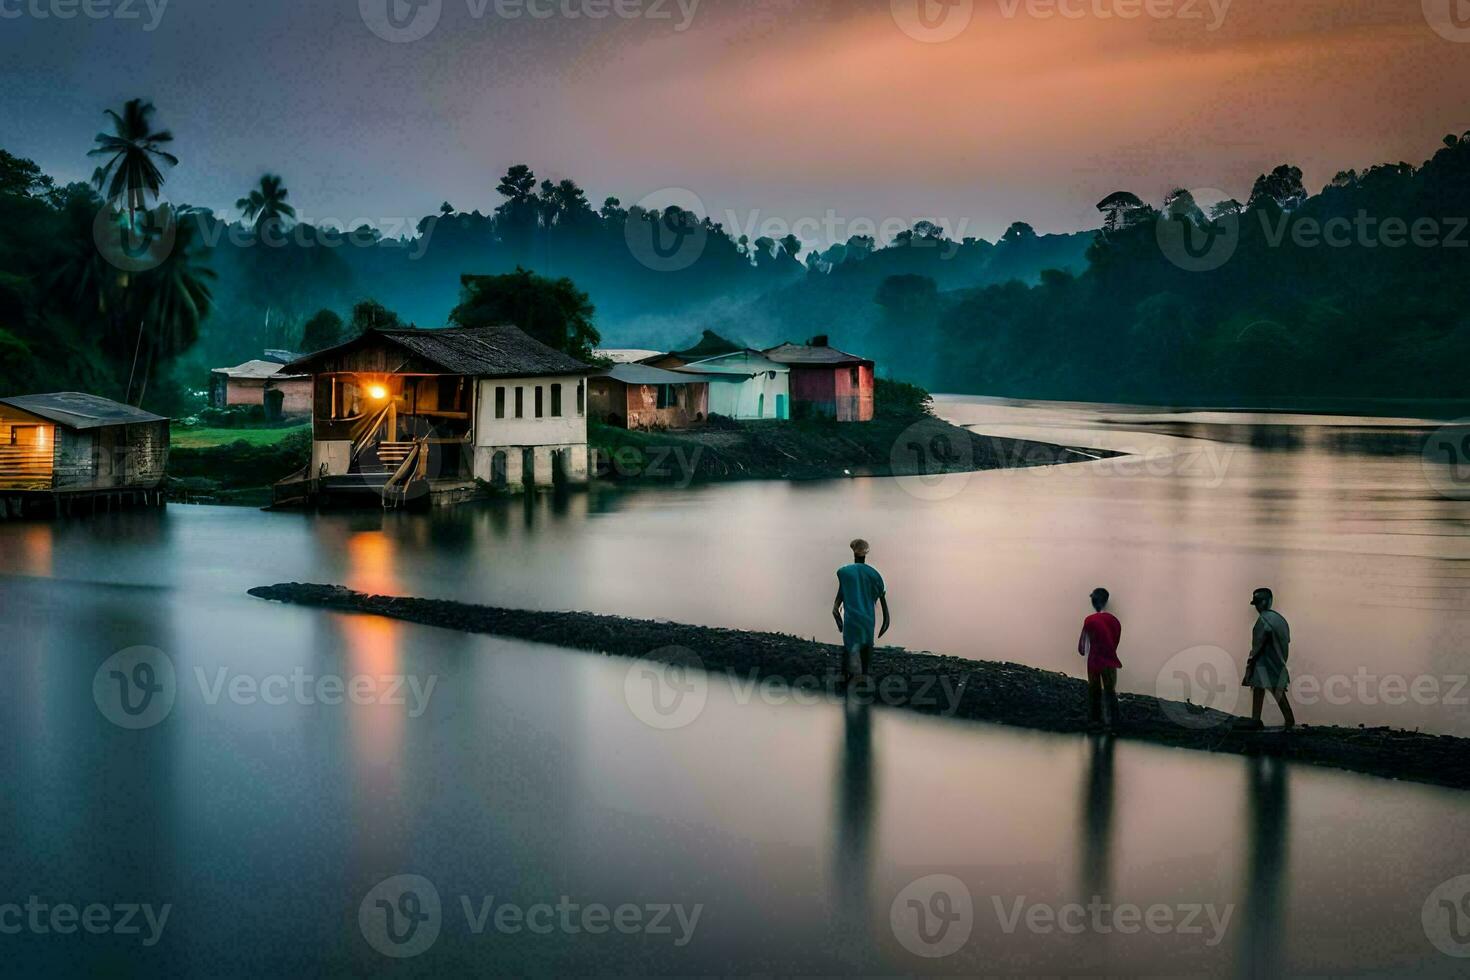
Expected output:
(827, 382)
(261, 382)
(68, 448)
(636, 396)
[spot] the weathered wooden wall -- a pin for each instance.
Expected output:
(636, 406)
(118, 456)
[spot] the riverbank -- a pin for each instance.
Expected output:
(1002, 693)
(241, 468)
(234, 466)
(906, 445)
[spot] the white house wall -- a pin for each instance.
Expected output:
(743, 399)
(763, 392)
(545, 436)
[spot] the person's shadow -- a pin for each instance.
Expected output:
(1097, 820)
(1264, 900)
(852, 843)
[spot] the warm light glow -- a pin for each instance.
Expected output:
(41, 437)
(378, 392)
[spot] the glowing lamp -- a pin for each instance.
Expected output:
(378, 392)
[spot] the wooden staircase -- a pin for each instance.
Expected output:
(390, 455)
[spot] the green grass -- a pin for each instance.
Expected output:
(182, 438)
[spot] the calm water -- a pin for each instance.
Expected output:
(522, 774)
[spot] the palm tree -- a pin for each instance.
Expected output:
(174, 298)
(80, 280)
(266, 205)
(131, 150)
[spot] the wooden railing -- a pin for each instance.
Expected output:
(366, 432)
(415, 466)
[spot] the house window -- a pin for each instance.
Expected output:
(500, 402)
(668, 396)
(520, 403)
(854, 377)
(556, 401)
(540, 409)
(581, 398)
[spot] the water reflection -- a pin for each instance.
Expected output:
(1097, 820)
(1263, 903)
(852, 843)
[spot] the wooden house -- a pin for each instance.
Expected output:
(67, 448)
(420, 414)
(636, 396)
(826, 382)
(261, 382)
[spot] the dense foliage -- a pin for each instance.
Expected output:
(1361, 291)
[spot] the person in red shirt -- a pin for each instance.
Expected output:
(1101, 634)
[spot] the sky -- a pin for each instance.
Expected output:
(821, 117)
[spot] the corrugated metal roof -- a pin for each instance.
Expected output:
(501, 351)
(642, 374)
(628, 356)
(77, 410)
(746, 362)
(255, 371)
(822, 356)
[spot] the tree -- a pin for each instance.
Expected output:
(1121, 209)
(133, 150)
(266, 204)
(517, 214)
(1180, 203)
(1227, 208)
(369, 314)
(1282, 187)
(1020, 231)
(174, 299)
(22, 177)
(554, 311)
(324, 329)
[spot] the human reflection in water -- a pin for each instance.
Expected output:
(852, 858)
(1264, 902)
(1097, 821)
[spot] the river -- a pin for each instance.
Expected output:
(270, 810)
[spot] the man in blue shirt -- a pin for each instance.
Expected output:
(859, 589)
